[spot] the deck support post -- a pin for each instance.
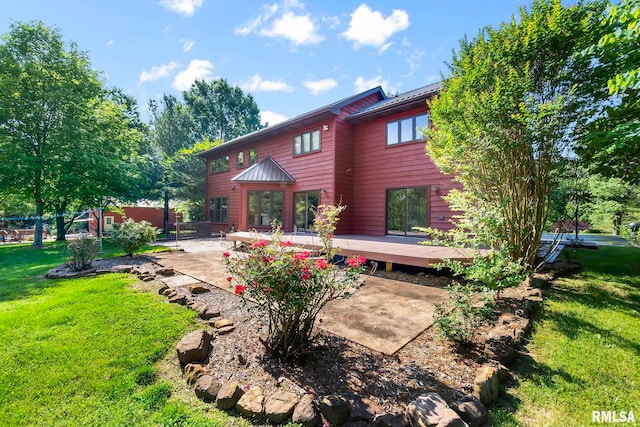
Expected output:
(388, 266)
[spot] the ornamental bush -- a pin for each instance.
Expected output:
(131, 235)
(82, 252)
(291, 285)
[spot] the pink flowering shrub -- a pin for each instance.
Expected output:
(291, 285)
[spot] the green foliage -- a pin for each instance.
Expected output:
(611, 201)
(69, 145)
(506, 116)
(584, 346)
(611, 93)
(467, 309)
(61, 364)
(82, 252)
(291, 286)
(131, 235)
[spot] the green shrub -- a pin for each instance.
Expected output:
(131, 235)
(467, 309)
(82, 252)
(291, 285)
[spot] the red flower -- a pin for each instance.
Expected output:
(229, 279)
(265, 259)
(301, 256)
(286, 243)
(305, 273)
(259, 244)
(240, 289)
(226, 254)
(267, 291)
(356, 262)
(321, 263)
(255, 284)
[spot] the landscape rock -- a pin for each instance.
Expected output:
(225, 330)
(431, 410)
(64, 272)
(251, 404)
(198, 289)
(168, 292)
(363, 409)
(471, 410)
(147, 278)
(228, 395)
(390, 420)
(279, 406)
(207, 388)
(194, 347)
(163, 287)
(516, 325)
(500, 344)
(305, 412)
(193, 371)
(221, 323)
(178, 299)
(486, 385)
(206, 313)
(335, 409)
(165, 271)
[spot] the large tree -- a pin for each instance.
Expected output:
(210, 114)
(611, 92)
(505, 118)
(63, 142)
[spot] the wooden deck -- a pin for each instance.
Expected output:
(387, 249)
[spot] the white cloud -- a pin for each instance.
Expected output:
(414, 62)
(361, 84)
(255, 83)
(271, 118)
(183, 7)
(298, 29)
(370, 28)
(157, 72)
(110, 43)
(187, 45)
(317, 87)
(279, 21)
(198, 69)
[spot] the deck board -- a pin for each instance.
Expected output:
(397, 250)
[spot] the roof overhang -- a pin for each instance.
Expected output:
(265, 171)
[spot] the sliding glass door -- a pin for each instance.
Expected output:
(407, 208)
(304, 208)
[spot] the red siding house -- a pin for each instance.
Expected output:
(365, 151)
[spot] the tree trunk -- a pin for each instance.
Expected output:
(617, 223)
(61, 230)
(37, 235)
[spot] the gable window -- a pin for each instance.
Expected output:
(306, 142)
(240, 159)
(253, 156)
(220, 164)
(218, 209)
(265, 207)
(406, 130)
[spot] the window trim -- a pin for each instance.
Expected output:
(224, 168)
(224, 208)
(416, 135)
(271, 216)
(301, 136)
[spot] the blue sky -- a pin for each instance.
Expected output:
(292, 56)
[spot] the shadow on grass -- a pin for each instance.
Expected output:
(22, 269)
(598, 298)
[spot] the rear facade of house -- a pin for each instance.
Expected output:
(365, 152)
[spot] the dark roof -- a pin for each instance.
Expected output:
(403, 102)
(296, 122)
(266, 170)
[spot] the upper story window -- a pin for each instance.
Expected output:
(406, 130)
(240, 159)
(220, 164)
(253, 156)
(306, 142)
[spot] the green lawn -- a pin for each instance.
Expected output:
(86, 352)
(584, 353)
